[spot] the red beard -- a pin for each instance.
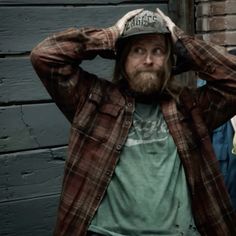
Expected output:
(147, 81)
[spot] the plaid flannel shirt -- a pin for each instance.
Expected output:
(101, 115)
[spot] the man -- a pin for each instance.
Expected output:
(140, 161)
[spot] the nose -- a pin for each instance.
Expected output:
(148, 59)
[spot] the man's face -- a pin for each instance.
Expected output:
(144, 65)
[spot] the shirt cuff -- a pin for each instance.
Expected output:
(112, 35)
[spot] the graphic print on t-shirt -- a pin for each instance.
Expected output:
(147, 129)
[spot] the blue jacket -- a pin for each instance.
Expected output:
(222, 140)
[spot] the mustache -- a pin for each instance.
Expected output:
(151, 71)
(146, 70)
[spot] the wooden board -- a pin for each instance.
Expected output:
(20, 84)
(22, 28)
(31, 174)
(30, 188)
(77, 2)
(32, 126)
(31, 217)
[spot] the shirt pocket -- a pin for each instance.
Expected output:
(97, 118)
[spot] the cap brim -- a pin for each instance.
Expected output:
(123, 38)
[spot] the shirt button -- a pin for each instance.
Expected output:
(108, 173)
(127, 123)
(129, 104)
(98, 197)
(212, 69)
(118, 147)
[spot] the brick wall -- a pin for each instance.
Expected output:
(216, 21)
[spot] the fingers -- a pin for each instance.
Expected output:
(169, 23)
(160, 13)
(121, 23)
(164, 17)
(133, 13)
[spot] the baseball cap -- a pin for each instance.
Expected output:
(146, 22)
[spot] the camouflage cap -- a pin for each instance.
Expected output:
(145, 22)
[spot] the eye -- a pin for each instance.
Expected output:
(158, 51)
(138, 50)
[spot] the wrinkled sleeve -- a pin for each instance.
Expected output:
(57, 60)
(217, 99)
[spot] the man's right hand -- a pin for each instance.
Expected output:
(120, 24)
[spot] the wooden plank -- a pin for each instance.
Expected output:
(19, 82)
(29, 217)
(32, 126)
(31, 174)
(22, 28)
(80, 2)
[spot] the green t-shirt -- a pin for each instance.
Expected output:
(148, 193)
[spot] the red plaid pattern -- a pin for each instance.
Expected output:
(101, 115)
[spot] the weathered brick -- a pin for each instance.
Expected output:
(220, 38)
(216, 23)
(215, 8)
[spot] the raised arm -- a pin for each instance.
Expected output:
(217, 99)
(57, 59)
